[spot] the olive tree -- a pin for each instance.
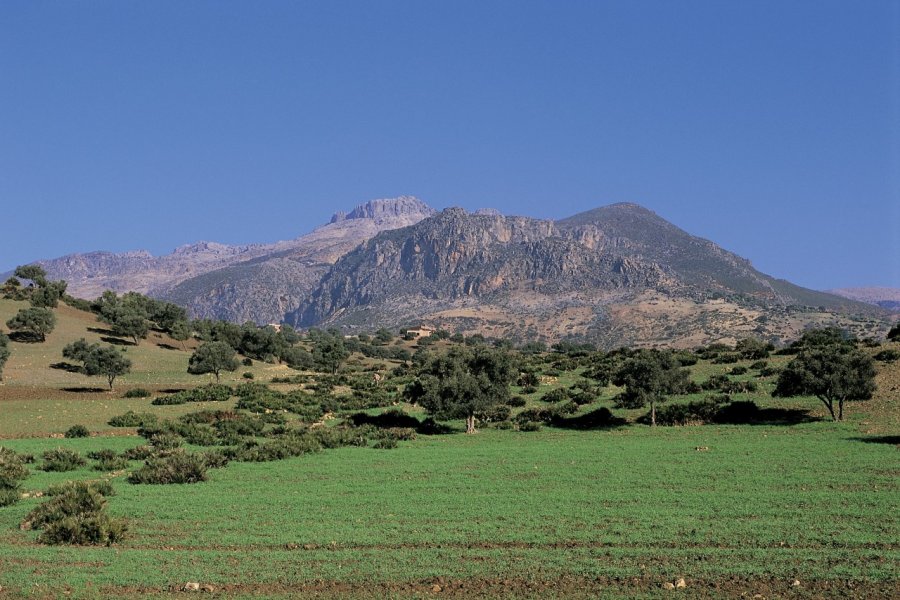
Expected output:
(463, 382)
(97, 360)
(4, 353)
(33, 321)
(213, 357)
(649, 376)
(834, 373)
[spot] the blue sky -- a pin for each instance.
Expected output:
(771, 128)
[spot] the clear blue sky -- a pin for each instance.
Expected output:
(771, 128)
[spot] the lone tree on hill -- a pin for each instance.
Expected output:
(463, 382)
(4, 353)
(834, 373)
(98, 360)
(648, 377)
(329, 352)
(33, 321)
(212, 357)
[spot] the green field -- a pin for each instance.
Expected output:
(733, 509)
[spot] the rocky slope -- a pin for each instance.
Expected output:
(598, 275)
(258, 282)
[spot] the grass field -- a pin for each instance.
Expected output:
(734, 509)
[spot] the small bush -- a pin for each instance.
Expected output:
(116, 463)
(165, 441)
(77, 431)
(385, 444)
(516, 402)
(173, 468)
(500, 412)
(8, 497)
(739, 370)
(138, 453)
(759, 365)
(248, 375)
(214, 459)
(505, 425)
(102, 486)
(247, 362)
(530, 426)
(769, 371)
(529, 389)
(133, 419)
(887, 356)
(726, 359)
(137, 393)
(61, 460)
(554, 396)
(75, 514)
(566, 408)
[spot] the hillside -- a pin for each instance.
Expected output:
(616, 275)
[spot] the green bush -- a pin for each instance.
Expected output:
(8, 497)
(111, 464)
(77, 431)
(75, 514)
(165, 441)
(102, 486)
(133, 419)
(554, 396)
(739, 370)
(12, 472)
(516, 401)
(530, 426)
(177, 466)
(248, 375)
(61, 460)
(137, 393)
(385, 444)
(759, 365)
(142, 452)
(887, 356)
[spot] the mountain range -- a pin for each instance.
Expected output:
(618, 274)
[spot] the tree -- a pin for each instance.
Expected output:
(98, 360)
(33, 272)
(212, 357)
(329, 352)
(33, 321)
(383, 336)
(463, 382)
(648, 377)
(180, 331)
(49, 294)
(4, 353)
(753, 348)
(835, 373)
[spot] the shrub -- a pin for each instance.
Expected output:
(165, 441)
(62, 460)
(530, 426)
(247, 362)
(566, 408)
(385, 444)
(138, 453)
(529, 389)
(77, 431)
(133, 419)
(769, 371)
(759, 365)
(699, 412)
(505, 425)
(726, 359)
(214, 459)
(102, 486)
(247, 375)
(12, 472)
(554, 396)
(75, 514)
(739, 370)
(116, 463)
(887, 356)
(137, 393)
(516, 401)
(494, 414)
(176, 467)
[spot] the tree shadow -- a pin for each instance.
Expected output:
(101, 331)
(117, 341)
(171, 390)
(64, 366)
(601, 418)
(84, 390)
(25, 337)
(893, 440)
(396, 418)
(167, 346)
(748, 413)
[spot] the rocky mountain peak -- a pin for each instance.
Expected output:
(402, 207)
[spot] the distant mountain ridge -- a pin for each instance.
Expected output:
(617, 275)
(885, 297)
